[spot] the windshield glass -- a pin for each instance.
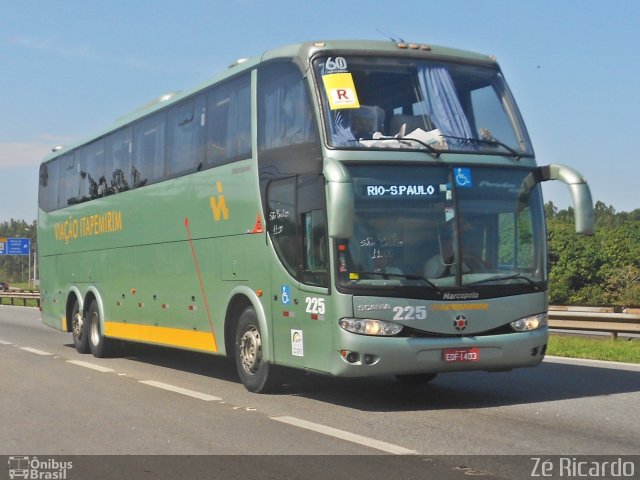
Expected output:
(391, 103)
(443, 227)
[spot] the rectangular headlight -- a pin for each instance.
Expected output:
(365, 326)
(533, 322)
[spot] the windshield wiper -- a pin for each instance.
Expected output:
(493, 141)
(432, 150)
(387, 275)
(517, 276)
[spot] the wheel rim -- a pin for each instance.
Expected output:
(77, 325)
(251, 350)
(95, 329)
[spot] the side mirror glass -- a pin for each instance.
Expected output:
(341, 210)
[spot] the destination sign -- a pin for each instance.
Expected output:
(401, 190)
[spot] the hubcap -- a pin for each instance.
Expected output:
(251, 350)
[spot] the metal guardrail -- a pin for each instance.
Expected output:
(21, 296)
(594, 319)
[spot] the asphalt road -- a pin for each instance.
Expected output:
(157, 401)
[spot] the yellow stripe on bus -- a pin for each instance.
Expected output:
(175, 337)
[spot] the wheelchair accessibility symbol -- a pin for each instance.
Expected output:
(463, 177)
(285, 294)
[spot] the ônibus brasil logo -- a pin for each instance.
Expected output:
(36, 469)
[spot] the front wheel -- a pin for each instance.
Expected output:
(255, 374)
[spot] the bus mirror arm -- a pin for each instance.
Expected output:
(580, 194)
(340, 193)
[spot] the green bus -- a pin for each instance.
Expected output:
(351, 208)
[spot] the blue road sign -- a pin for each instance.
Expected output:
(16, 246)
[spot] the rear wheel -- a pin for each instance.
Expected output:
(79, 330)
(99, 345)
(256, 375)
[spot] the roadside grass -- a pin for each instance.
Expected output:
(23, 286)
(18, 302)
(573, 346)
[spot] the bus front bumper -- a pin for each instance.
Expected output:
(362, 356)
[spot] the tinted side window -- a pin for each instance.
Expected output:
(315, 237)
(281, 221)
(92, 174)
(185, 127)
(49, 186)
(69, 181)
(285, 114)
(229, 121)
(148, 156)
(296, 221)
(119, 149)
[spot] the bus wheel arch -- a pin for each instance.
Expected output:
(246, 339)
(99, 345)
(240, 299)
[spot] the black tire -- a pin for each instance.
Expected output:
(100, 346)
(79, 330)
(416, 378)
(256, 375)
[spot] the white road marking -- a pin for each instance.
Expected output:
(183, 391)
(593, 363)
(348, 436)
(92, 366)
(3, 342)
(35, 350)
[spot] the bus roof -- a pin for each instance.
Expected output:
(301, 52)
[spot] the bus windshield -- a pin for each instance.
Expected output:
(391, 103)
(440, 227)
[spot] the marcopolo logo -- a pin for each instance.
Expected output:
(461, 296)
(38, 469)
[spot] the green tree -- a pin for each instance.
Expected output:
(601, 269)
(574, 266)
(621, 264)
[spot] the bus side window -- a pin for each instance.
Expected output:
(49, 186)
(296, 221)
(92, 177)
(281, 221)
(314, 268)
(229, 122)
(185, 134)
(148, 156)
(69, 181)
(285, 113)
(119, 148)
(315, 262)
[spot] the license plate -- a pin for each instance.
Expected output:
(461, 354)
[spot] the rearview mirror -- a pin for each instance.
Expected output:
(580, 194)
(341, 211)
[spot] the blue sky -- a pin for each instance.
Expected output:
(69, 68)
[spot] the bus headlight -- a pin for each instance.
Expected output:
(366, 326)
(530, 323)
